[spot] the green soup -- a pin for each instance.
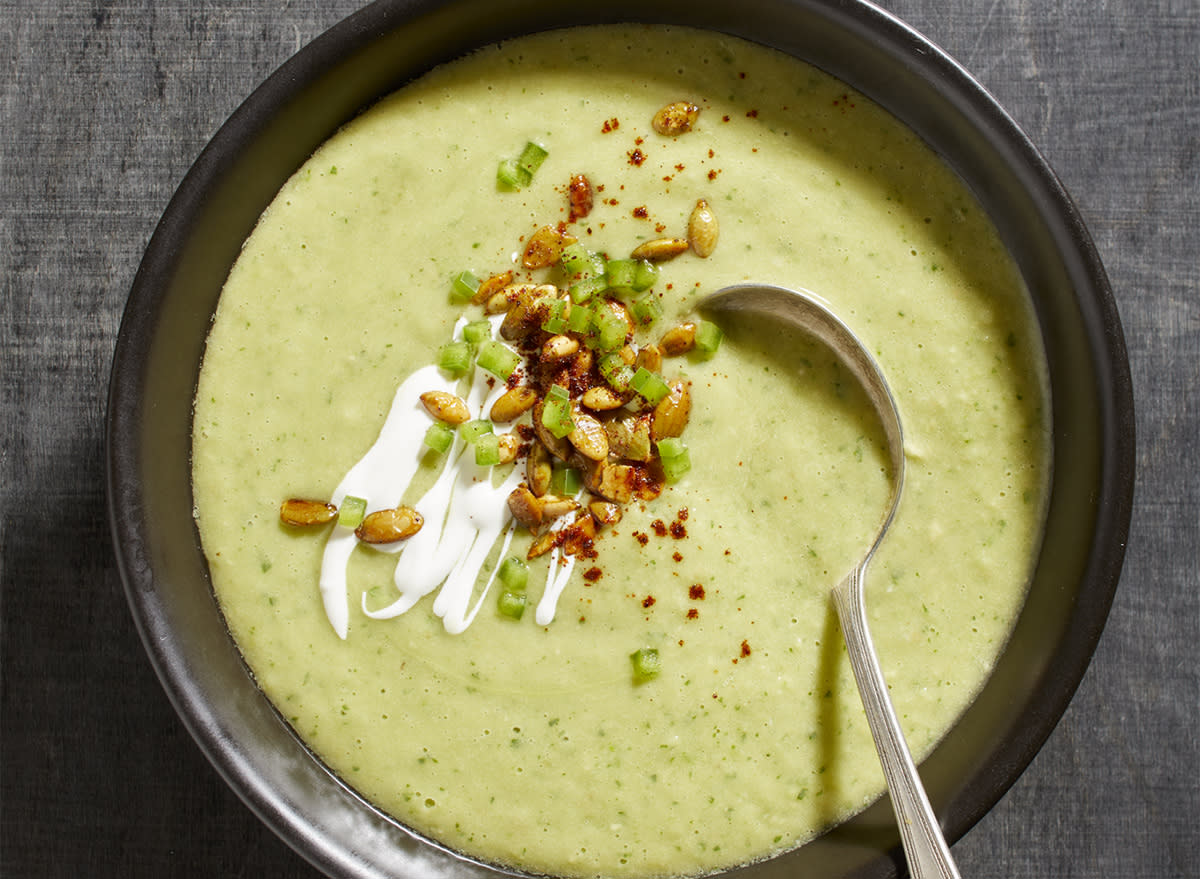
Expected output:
(533, 745)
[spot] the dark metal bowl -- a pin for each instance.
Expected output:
(391, 42)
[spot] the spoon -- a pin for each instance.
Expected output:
(925, 847)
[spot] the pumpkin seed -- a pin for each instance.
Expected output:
(579, 194)
(303, 513)
(389, 526)
(559, 347)
(542, 545)
(601, 398)
(554, 506)
(544, 247)
(703, 230)
(659, 249)
(679, 340)
(605, 512)
(513, 403)
(672, 412)
(538, 469)
(525, 507)
(510, 446)
(676, 118)
(588, 437)
(446, 407)
(492, 286)
(649, 357)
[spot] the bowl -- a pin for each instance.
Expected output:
(380, 48)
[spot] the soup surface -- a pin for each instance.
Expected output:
(530, 742)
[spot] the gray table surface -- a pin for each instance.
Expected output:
(103, 106)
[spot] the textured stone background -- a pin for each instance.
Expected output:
(103, 106)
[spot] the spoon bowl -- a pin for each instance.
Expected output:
(925, 846)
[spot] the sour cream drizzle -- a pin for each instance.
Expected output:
(465, 514)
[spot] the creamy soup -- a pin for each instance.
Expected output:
(531, 742)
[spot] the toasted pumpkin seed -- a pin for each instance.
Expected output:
(530, 305)
(601, 398)
(588, 437)
(659, 249)
(619, 433)
(513, 403)
(303, 513)
(498, 303)
(582, 362)
(639, 447)
(578, 535)
(679, 340)
(676, 118)
(554, 506)
(650, 357)
(538, 469)
(544, 247)
(492, 286)
(525, 507)
(613, 482)
(559, 347)
(605, 512)
(672, 412)
(445, 407)
(510, 446)
(703, 230)
(389, 526)
(580, 197)
(542, 545)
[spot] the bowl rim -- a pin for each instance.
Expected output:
(327, 68)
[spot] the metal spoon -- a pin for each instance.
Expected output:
(925, 847)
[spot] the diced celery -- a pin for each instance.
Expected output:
(671, 447)
(455, 357)
(674, 468)
(621, 273)
(576, 261)
(646, 663)
(473, 430)
(511, 175)
(498, 359)
(585, 288)
(511, 604)
(531, 157)
(649, 385)
(580, 318)
(463, 287)
(555, 323)
(675, 458)
(439, 437)
(556, 412)
(616, 372)
(352, 511)
(477, 331)
(646, 310)
(513, 574)
(610, 330)
(565, 481)
(645, 276)
(708, 337)
(487, 449)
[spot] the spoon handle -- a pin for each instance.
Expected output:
(925, 847)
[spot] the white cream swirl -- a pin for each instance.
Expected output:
(465, 514)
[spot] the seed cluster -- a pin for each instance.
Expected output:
(601, 416)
